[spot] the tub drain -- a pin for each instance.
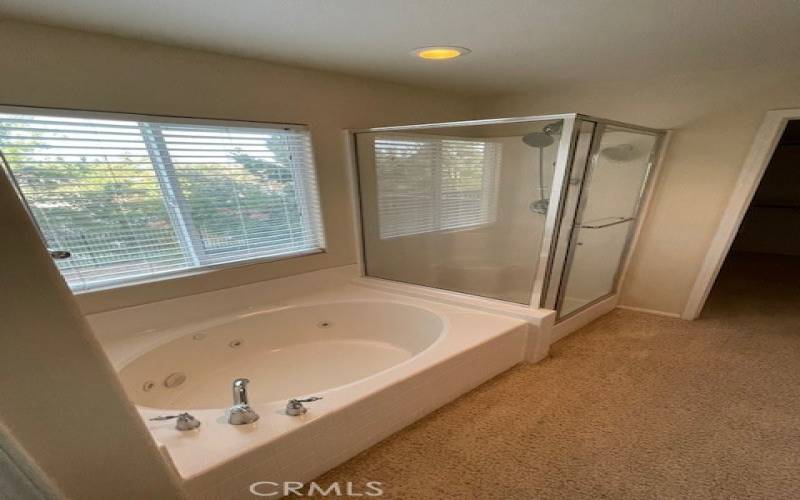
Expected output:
(235, 343)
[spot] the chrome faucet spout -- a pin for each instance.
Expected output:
(241, 413)
(240, 391)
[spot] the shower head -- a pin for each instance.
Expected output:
(538, 139)
(545, 137)
(621, 152)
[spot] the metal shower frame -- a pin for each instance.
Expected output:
(555, 213)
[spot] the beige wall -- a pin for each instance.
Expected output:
(715, 116)
(52, 67)
(61, 400)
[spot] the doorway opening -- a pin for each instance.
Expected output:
(761, 272)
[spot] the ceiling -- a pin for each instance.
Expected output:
(517, 45)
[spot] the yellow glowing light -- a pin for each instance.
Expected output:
(439, 53)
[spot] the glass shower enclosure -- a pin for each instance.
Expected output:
(537, 211)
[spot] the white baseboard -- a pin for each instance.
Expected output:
(650, 311)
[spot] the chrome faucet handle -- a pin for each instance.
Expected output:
(184, 422)
(295, 407)
(241, 413)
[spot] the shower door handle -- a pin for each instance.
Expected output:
(618, 220)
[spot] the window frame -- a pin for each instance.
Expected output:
(167, 120)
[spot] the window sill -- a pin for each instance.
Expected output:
(201, 280)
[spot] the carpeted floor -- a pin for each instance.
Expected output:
(632, 406)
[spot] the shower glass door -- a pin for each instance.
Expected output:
(606, 214)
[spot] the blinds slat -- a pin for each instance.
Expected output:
(136, 199)
(428, 184)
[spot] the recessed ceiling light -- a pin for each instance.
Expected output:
(440, 52)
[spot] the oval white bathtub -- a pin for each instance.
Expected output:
(289, 352)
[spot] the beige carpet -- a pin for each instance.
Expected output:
(632, 406)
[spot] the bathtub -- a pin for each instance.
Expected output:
(379, 359)
(286, 352)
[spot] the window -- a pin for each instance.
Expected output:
(428, 184)
(133, 199)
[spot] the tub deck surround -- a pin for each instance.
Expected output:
(131, 322)
(410, 355)
(541, 321)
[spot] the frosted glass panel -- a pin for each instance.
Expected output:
(458, 208)
(606, 215)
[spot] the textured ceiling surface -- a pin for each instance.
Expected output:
(517, 44)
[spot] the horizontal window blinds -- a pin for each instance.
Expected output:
(430, 184)
(130, 200)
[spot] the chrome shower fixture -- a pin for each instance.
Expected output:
(539, 206)
(541, 140)
(545, 137)
(553, 128)
(538, 139)
(620, 152)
